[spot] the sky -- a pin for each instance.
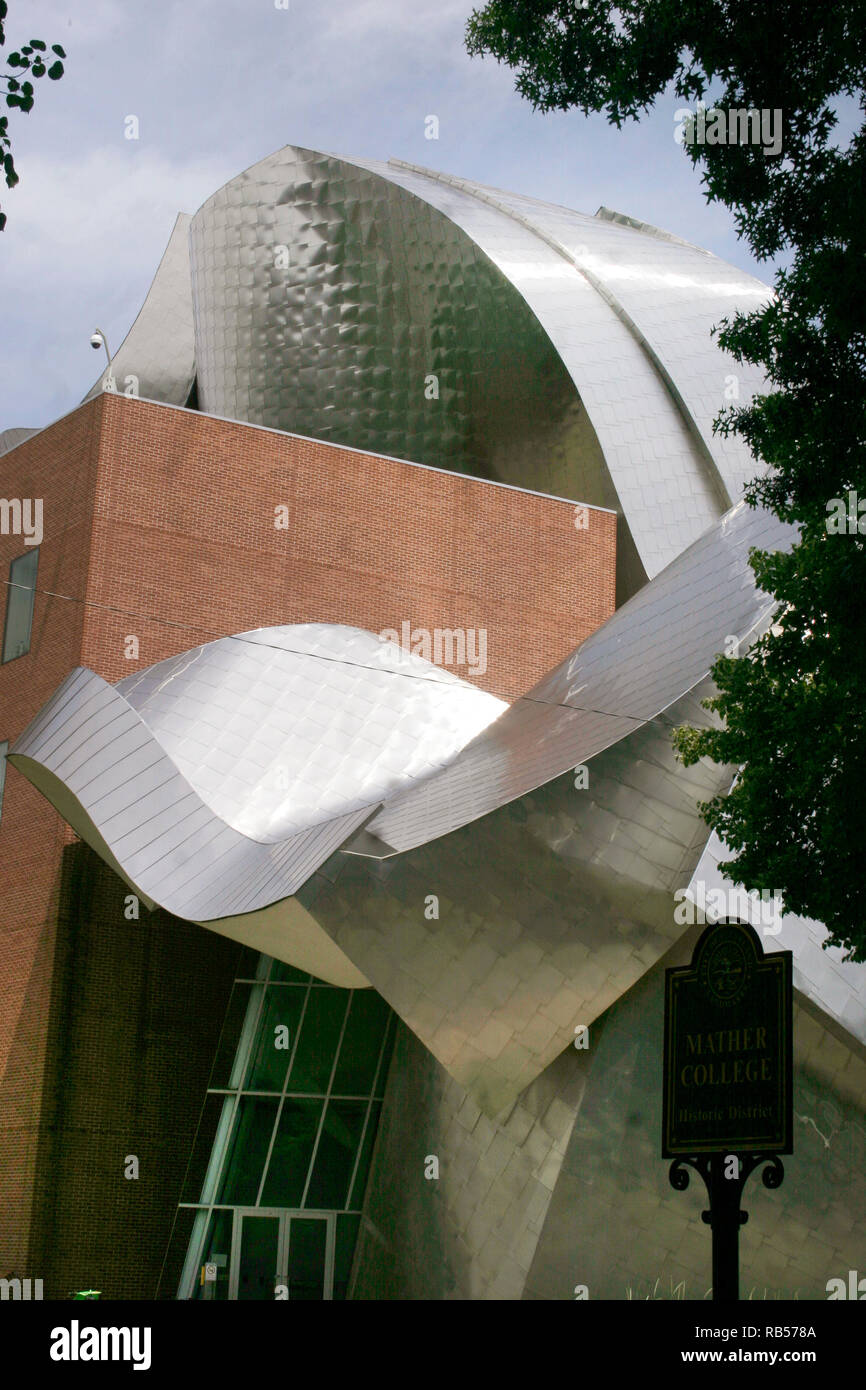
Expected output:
(216, 85)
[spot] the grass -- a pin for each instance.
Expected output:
(678, 1292)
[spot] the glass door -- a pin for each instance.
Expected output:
(282, 1255)
(307, 1268)
(255, 1257)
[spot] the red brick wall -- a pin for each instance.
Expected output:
(185, 545)
(60, 467)
(160, 523)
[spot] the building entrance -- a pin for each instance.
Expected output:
(282, 1254)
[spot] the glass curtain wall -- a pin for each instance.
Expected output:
(276, 1182)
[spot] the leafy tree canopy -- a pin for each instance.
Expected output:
(794, 707)
(35, 59)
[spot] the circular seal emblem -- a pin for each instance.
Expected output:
(726, 967)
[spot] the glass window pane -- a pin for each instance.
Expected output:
(247, 964)
(254, 1126)
(359, 1186)
(290, 1158)
(347, 1237)
(362, 1043)
(19, 605)
(4, 749)
(335, 1158)
(320, 1033)
(201, 1149)
(217, 1250)
(382, 1077)
(288, 974)
(307, 1260)
(169, 1277)
(277, 1032)
(227, 1047)
(257, 1268)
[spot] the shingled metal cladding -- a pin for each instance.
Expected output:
(217, 781)
(156, 359)
(654, 649)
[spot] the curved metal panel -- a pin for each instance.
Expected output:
(159, 349)
(11, 438)
(221, 779)
(282, 728)
(169, 843)
(651, 652)
(672, 295)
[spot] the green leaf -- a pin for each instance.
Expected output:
(38, 69)
(55, 48)
(55, 71)
(37, 43)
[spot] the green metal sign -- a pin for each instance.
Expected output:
(728, 1047)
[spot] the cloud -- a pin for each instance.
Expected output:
(110, 202)
(56, 21)
(83, 241)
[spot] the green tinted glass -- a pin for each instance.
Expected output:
(278, 1029)
(347, 1236)
(293, 1148)
(254, 1126)
(335, 1158)
(230, 1035)
(356, 1196)
(320, 1032)
(307, 1260)
(217, 1250)
(257, 1263)
(287, 973)
(201, 1150)
(362, 1044)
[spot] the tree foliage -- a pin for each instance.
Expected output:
(33, 58)
(794, 707)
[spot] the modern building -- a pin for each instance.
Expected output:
(348, 619)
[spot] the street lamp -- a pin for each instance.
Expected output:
(98, 340)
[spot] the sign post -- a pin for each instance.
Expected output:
(727, 1101)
